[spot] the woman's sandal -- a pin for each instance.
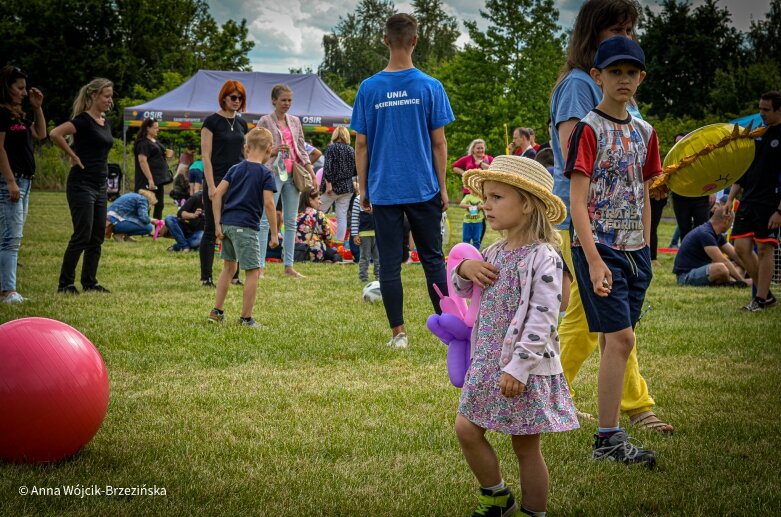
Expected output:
(649, 420)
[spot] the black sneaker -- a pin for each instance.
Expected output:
(216, 316)
(755, 305)
(97, 288)
(236, 281)
(68, 289)
(770, 301)
(618, 448)
(207, 283)
(496, 503)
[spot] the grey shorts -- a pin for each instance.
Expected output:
(241, 245)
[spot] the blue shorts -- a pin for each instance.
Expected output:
(631, 277)
(697, 276)
(196, 176)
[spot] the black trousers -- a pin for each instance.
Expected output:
(690, 212)
(87, 203)
(206, 250)
(424, 219)
(656, 216)
(160, 195)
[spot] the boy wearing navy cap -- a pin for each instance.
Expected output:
(612, 157)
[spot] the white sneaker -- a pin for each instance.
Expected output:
(398, 341)
(14, 297)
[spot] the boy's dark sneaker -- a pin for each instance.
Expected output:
(753, 306)
(617, 447)
(770, 301)
(496, 503)
(215, 316)
(207, 283)
(97, 288)
(236, 281)
(68, 289)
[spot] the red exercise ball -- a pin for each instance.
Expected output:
(53, 390)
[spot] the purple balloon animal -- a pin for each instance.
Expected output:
(454, 326)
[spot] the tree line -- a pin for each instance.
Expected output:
(700, 68)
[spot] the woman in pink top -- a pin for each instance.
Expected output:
(475, 158)
(288, 148)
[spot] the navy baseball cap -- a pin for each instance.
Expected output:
(619, 48)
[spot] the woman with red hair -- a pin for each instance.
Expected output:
(222, 146)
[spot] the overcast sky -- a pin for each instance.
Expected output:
(290, 33)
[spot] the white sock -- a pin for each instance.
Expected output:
(500, 486)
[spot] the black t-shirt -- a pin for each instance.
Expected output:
(189, 226)
(691, 254)
(227, 143)
(762, 182)
(92, 143)
(155, 157)
(18, 143)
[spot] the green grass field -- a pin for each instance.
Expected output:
(315, 416)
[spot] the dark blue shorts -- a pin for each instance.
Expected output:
(631, 277)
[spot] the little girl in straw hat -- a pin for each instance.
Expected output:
(515, 384)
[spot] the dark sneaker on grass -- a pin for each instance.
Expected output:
(236, 281)
(207, 283)
(755, 305)
(68, 289)
(770, 301)
(97, 288)
(496, 503)
(251, 323)
(216, 316)
(617, 447)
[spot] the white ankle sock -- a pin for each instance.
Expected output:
(500, 486)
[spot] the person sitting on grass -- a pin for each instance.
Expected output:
(180, 192)
(248, 189)
(701, 259)
(186, 227)
(313, 230)
(128, 215)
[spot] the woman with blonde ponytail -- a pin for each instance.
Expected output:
(89, 132)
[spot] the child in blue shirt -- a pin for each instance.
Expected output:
(248, 189)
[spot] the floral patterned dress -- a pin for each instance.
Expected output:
(313, 230)
(545, 404)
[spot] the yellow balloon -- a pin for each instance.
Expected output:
(709, 159)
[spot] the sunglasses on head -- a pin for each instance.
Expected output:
(234, 97)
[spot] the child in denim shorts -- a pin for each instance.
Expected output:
(248, 189)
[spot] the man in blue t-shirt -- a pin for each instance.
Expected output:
(400, 115)
(700, 259)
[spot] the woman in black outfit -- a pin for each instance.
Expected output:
(151, 166)
(222, 146)
(90, 132)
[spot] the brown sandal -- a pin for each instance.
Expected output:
(649, 420)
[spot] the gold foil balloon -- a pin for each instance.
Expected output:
(708, 159)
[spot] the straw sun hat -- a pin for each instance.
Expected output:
(523, 173)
